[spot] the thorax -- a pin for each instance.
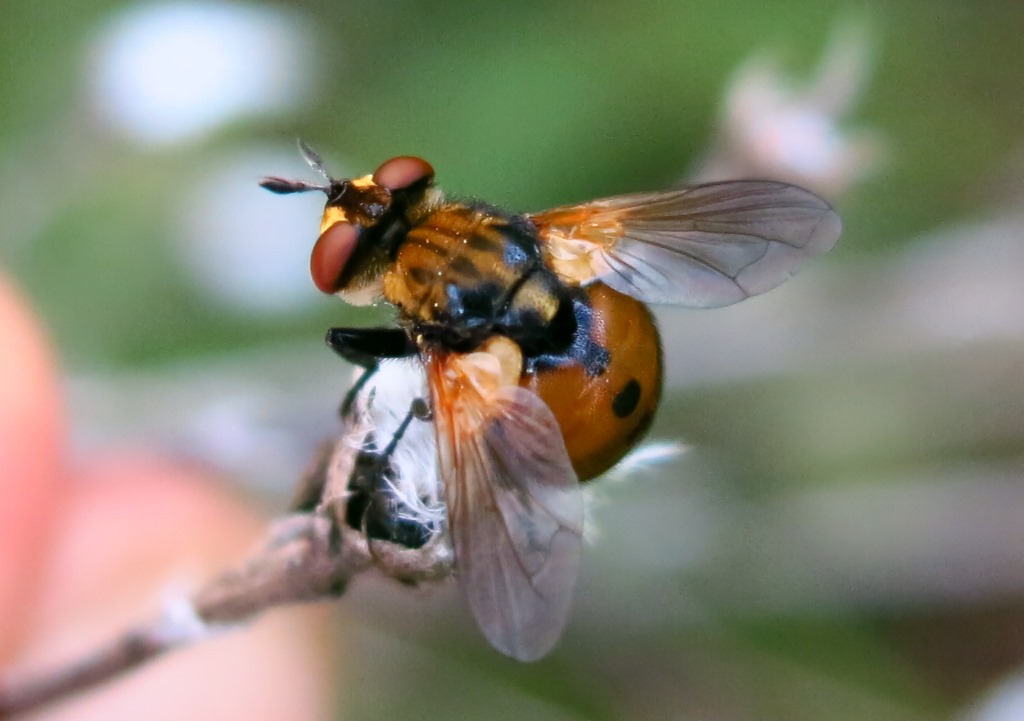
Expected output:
(464, 272)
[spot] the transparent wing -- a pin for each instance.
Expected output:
(515, 510)
(703, 246)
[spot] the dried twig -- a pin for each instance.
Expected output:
(304, 558)
(309, 555)
(297, 563)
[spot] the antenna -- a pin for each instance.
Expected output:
(283, 186)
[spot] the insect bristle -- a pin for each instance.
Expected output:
(314, 160)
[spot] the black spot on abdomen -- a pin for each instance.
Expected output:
(626, 400)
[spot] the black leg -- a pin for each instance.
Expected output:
(372, 508)
(417, 409)
(366, 347)
(353, 391)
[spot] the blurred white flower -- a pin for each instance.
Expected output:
(773, 126)
(168, 73)
(1004, 702)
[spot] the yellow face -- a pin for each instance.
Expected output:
(336, 212)
(362, 220)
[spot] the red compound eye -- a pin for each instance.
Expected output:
(330, 255)
(401, 172)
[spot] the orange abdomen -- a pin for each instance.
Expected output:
(604, 414)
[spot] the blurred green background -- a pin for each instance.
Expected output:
(843, 538)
